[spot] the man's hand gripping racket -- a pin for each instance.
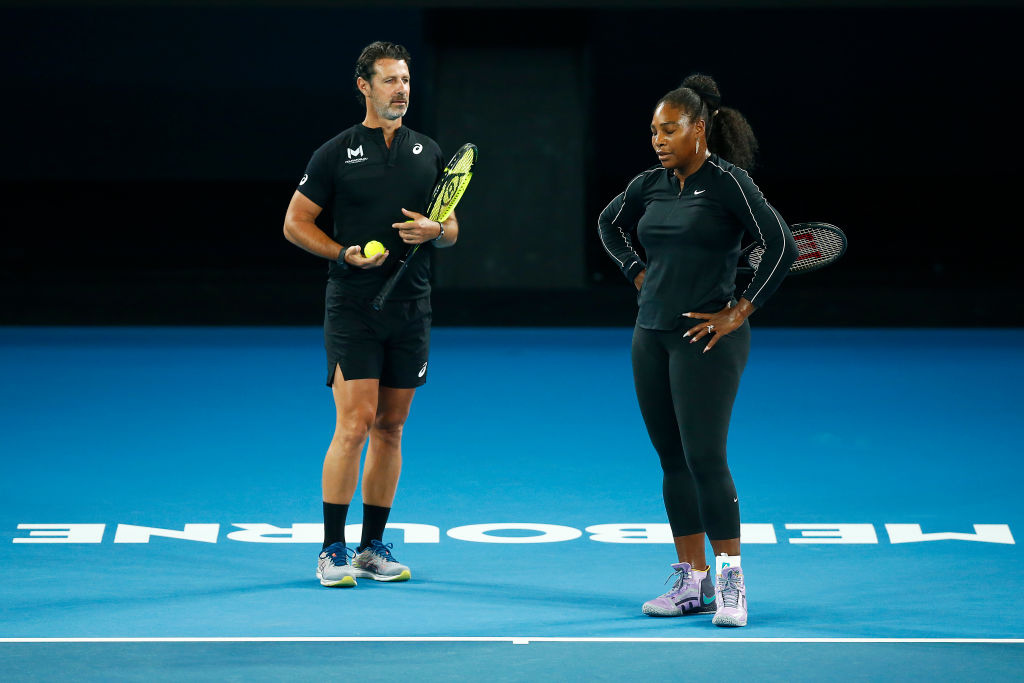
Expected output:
(447, 193)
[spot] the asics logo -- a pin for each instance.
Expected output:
(422, 371)
(417, 148)
(304, 179)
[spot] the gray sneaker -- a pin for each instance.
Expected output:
(692, 593)
(731, 598)
(333, 568)
(377, 563)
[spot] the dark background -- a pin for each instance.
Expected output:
(151, 149)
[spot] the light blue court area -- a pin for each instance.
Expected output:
(163, 483)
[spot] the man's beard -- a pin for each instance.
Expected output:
(391, 111)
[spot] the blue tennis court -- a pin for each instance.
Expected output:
(160, 510)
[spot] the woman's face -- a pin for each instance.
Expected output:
(673, 136)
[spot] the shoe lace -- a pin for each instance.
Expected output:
(384, 551)
(339, 556)
(730, 589)
(682, 576)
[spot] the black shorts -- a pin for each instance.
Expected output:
(391, 345)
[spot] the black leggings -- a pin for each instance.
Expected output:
(686, 399)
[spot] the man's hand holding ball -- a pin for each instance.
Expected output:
(372, 255)
(372, 248)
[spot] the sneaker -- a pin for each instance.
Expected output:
(730, 598)
(692, 593)
(333, 568)
(377, 563)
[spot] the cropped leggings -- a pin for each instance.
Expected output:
(686, 399)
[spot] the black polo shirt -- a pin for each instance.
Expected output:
(692, 235)
(366, 184)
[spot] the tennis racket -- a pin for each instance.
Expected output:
(449, 189)
(819, 244)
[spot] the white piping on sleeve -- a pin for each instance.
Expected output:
(622, 232)
(758, 225)
(638, 177)
(600, 234)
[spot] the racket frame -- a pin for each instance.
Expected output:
(800, 229)
(435, 213)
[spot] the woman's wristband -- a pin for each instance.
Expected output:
(440, 234)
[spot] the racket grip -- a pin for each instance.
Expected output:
(385, 291)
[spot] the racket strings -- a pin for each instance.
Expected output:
(816, 248)
(453, 184)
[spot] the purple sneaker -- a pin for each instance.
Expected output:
(692, 593)
(730, 598)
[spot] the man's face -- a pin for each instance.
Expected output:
(388, 89)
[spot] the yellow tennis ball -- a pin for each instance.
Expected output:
(373, 248)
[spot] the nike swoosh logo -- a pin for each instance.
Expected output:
(706, 601)
(699, 191)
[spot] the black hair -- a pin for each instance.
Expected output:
(369, 56)
(728, 133)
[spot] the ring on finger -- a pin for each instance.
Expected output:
(710, 328)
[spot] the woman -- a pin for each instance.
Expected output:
(690, 215)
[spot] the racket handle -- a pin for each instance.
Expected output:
(385, 291)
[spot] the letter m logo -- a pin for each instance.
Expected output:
(357, 152)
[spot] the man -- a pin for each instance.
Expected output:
(376, 177)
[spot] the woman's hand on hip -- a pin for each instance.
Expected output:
(717, 325)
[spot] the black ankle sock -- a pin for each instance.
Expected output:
(334, 523)
(375, 518)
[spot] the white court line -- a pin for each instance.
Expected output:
(515, 640)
